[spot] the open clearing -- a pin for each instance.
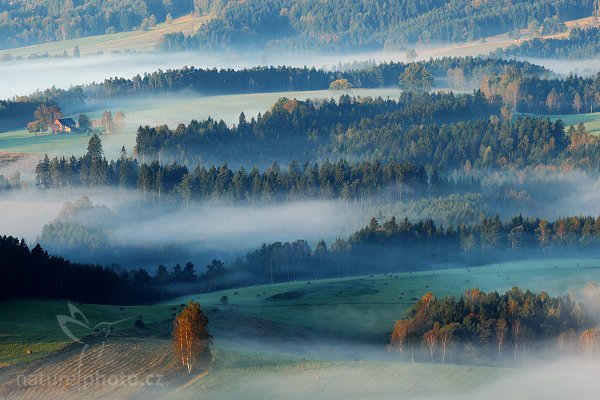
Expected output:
(295, 340)
(139, 41)
(590, 120)
(169, 110)
(355, 308)
(368, 306)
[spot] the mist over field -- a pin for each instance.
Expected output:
(299, 199)
(27, 76)
(150, 234)
(585, 68)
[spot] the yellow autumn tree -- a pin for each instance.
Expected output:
(399, 335)
(190, 336)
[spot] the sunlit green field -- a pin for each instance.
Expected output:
(368, 306)
(31, 326)
(169, 110)
(121, 41)
(590, 120)
(364, 307)
(255, 334)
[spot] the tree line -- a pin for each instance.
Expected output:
(533, 94)
(328, 180)
(388, 247)
(400, 246)
(465, 71)
(26, 272)
(285, 78)
(32, 272)
(581, 44)
(406, 246)
(428, 151)
(294, 129)
(26, 22)
(495, 328)
(369, 24)
(444, 131)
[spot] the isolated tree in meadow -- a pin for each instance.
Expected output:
(190, 336)
(340, 84)
(446, 334)
(501, 331)
(411, 55)
(76, 52)
(430, 338)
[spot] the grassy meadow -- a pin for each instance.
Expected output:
(138, 41)
(263, 338)
(29, 329)
(355, 307)
(368, 306)
(591, 121)
(169, 110)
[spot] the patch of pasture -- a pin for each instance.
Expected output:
(29, 329)
(168, 110)
(368, 306)
(114, 42)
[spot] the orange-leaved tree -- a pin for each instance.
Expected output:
(190, 336)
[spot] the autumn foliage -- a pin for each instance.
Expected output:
(479, 327)
(190, 337)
